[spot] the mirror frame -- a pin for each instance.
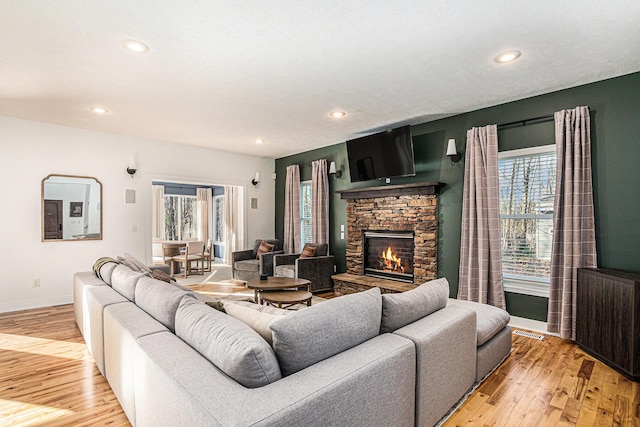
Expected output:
(42, 211)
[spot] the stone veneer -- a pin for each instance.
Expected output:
(405, 212)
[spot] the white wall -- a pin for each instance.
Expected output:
(29, 151)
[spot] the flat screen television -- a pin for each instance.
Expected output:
(387, 154)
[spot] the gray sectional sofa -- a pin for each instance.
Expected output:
(359, 360)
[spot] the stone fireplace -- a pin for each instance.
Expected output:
(389, 255)
(401, 211)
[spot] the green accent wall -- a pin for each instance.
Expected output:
(615, 137)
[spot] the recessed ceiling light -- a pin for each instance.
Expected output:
(259, 141)
(337, 114)
(99, 110)
(507, 56)
(136, 46)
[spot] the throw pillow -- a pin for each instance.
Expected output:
(229, 344)
(315, 333)
(160, 275)
(264, 248)
(134, 263)
(257, 317)
(308, 251)
(403, 308)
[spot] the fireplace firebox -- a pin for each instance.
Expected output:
(389, 255)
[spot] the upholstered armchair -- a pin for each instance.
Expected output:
(247, 265)
(317, 268)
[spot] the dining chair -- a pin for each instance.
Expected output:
(194, 251)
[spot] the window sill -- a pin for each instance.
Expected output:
(526, 287)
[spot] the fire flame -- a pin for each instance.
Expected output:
(391, 261)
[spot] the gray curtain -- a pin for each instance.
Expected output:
(574, 235)
(158, 212)
(480, 255)
(292, 210)
(204, 198)
(320, 202)
(231, 222)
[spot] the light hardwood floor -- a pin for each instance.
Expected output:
(48, 378)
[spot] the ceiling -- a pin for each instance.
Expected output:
(221, 74)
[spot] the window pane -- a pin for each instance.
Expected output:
(189, 219)
(219, 217)
(305, 212)
(527, 193)
(171, 217)
(180, 217)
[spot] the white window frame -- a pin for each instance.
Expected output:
(302, 218)
(520, 285)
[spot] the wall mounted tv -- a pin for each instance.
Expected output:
(387, 154)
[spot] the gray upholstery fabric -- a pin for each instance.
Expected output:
(318, 332)
(403, 308)
(106, 271)
(123, 325)
(124, 280)
(81, 282)
(446, 360)
(288, 270)
(160, 300)
(245, 264)
(492, 352)
(232, 346)
(96, 299)
(491, 320)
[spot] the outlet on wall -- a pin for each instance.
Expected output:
(36, 283)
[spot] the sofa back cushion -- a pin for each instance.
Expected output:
(233, 347)
(124, 280)
(106, 272)
(403, 308)
(321, 331)
(160, 300)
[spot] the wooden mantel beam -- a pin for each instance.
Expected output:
(392, 190)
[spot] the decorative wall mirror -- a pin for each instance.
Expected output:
(71, 208)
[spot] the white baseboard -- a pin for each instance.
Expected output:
(530, 325)
(35, 303)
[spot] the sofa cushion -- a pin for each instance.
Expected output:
(247, 265)
(257, 317)
(403, 308)
(101, 262)
(106, 272)
(124, 280)
(229, 344)
(491, 320)
(318, 332)
(160, 300)
(286, 270)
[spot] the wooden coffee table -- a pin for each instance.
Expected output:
(278, 298)
(276, 284)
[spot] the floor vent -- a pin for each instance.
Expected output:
(529, 334)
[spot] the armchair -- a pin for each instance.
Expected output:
(317, 269)
(246, 265)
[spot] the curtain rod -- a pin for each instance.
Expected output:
(524, 122)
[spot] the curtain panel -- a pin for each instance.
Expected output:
(292, 210)
(231, 222)
(158, 212)
(574, 241)
(480, 254)
(320, 202)
(204, 198)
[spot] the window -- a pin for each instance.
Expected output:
(527, 180)
(218, 216)
(305, 212)
(180, 219)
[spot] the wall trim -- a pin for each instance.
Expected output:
(35, 303)
(531, 325)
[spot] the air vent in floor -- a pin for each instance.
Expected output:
(528, 334)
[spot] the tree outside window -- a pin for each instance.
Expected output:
(181, 221)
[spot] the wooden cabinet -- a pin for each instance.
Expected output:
(608, 318)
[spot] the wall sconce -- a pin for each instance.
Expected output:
(332, 170)
(256, 180)
(132, 169)
(452, 152)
